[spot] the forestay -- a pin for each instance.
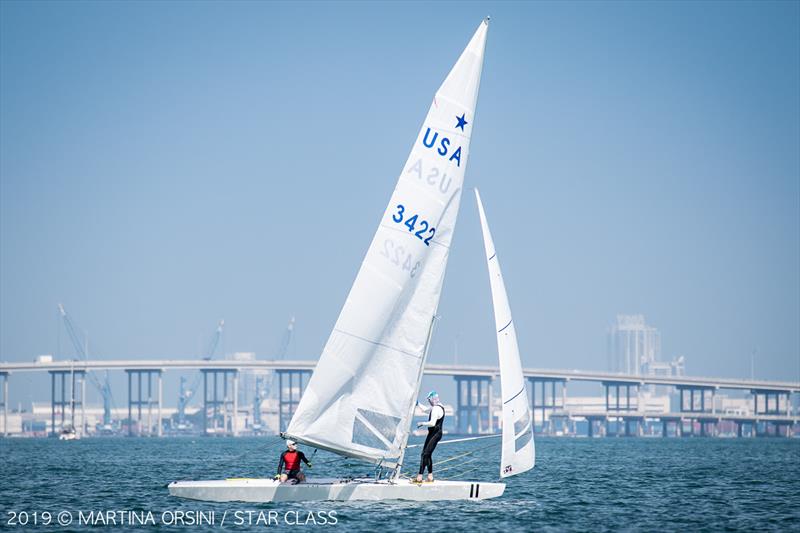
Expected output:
(519, 452)
(359, 400)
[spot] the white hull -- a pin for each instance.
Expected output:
(269, 490)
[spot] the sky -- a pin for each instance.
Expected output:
(167, 165)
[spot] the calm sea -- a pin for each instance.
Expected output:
(688, 484)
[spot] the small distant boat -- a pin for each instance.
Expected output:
(359, 402)
(68, 433)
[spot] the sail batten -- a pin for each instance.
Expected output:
(359, 400)
(518, 449)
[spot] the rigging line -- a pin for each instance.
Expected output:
(467, 453)
(458, 465)
(465, 439)
(438, 463)
(459, 456)
(411, 474)
(457, 476)
(331, 461)
(376, 343)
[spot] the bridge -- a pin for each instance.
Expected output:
(772, 405)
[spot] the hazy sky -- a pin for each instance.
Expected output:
(167, 165)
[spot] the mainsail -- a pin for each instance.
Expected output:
(360, 398)
(519, 453)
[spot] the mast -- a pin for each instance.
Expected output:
(404, 445)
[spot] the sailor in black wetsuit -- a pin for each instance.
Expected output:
(289, 464)
(434, 425)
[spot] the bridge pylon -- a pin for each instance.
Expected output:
(545, 402)
(696, 402)
(4, 402)
(220, 401)
(64, 396)
(473, 400)
(140, 398)
(291, 385)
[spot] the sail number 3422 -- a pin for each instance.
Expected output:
(420, 228)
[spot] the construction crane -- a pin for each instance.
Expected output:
(263, 384)
(82, 351)
(186, 394)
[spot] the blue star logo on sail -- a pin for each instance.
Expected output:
(461, 121)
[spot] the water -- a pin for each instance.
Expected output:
(578, 484)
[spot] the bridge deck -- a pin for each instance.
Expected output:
(431, 369)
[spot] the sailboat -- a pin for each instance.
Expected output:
(518, 448)
(360, 400)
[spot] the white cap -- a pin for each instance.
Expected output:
(291, 443)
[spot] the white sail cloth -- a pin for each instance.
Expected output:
(359, 400)
(518, 449)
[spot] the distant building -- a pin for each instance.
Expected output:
(674, 368)
(633, 346)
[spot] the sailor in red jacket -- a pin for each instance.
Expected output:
(289, 464)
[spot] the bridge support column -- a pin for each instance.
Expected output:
(490, 414)
(160, 400)
(63, 397)
(615, 401)
(4, 399)
(545, 404)
(637, 425)
(291, 385)
(218, 406)
(472, 404)
(684, 431)
(665, 424)
(138, 398)
(618, 403)
(235, 419)
(83, 407)
(696, 401)
(591, 421)
(776, 402)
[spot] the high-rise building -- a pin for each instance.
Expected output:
(633, 346)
